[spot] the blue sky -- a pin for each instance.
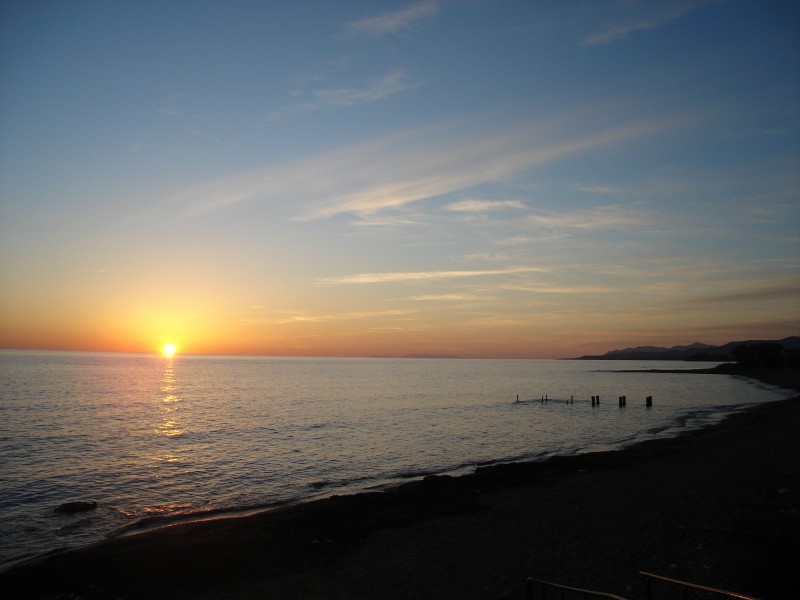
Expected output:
(471, 177)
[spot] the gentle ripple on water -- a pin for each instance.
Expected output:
(151, 437)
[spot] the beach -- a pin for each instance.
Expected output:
(716, 506)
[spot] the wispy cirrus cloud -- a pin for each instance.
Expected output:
(395, 277)
(396, 21)
(408, 167)
(478, 205)
(601, 189)
(294, 319)
(777, 289)
(389, 220)
(394, 82)
(452, 298)
(629, 17)
(614, 216)
(396, 180)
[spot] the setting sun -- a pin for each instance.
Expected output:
(168, 349)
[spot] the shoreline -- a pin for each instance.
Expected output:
(787, 377)
(360, 484)
(159, 522)
(487, 530)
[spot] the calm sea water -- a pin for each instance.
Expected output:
(153, 439)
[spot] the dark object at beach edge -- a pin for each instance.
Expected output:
(76, 506)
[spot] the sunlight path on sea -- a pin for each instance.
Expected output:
(164, 437)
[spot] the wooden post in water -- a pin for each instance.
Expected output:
(648, 402)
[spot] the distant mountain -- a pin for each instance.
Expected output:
(697, 351)
(696, 347)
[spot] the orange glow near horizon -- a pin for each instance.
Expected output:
(362, 209)
(219, 325)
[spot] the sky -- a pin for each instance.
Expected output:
(480, 178)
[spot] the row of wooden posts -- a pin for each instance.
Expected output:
(623, 400)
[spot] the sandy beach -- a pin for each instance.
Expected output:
(718, 507)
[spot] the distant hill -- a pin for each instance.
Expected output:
(697, 351)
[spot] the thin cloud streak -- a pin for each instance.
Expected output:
(397, 170)
(641, 17)
(394, 22)
(453, 298)
(618, 216)
(775, 290)
(346, 316)
(414, 176)
(394, 82)
(363, 278)
(477, 205)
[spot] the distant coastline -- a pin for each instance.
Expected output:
(786, 350)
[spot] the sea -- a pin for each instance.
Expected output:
(155, 440)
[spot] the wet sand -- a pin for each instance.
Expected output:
(717, 507)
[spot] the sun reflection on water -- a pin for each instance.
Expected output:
(169, 425)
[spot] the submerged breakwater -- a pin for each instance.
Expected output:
(151, 439)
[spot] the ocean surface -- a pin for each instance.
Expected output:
(155, 439)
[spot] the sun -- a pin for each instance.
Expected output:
(169, 349)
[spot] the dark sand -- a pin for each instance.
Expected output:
(717, 507)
